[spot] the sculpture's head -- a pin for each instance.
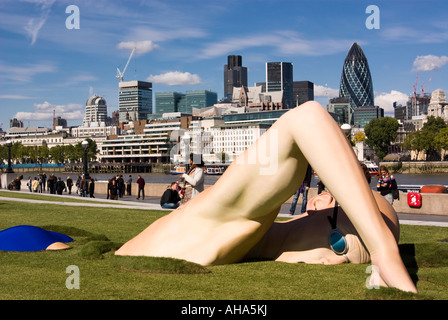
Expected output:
(350, 240)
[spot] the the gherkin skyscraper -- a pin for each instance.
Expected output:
(356, 81)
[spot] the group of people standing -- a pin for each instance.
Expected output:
(56, 185)
(193, 183)
(41, 183)
(117, 187)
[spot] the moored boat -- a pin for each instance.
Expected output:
(373, 168)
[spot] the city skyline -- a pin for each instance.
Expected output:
(47, 63)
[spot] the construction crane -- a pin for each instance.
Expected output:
(414, 100)
(423, 87)
(415, 87)
(120, 74)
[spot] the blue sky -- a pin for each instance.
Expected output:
(183, 45)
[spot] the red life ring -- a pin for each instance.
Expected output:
(434, 188)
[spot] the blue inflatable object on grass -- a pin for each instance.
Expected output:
(29, 238)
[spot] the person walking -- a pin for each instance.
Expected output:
(113, 192)
(69, 185)
(29, 183)
(44, 181)
(120, 185)
(51, 183)
(141, 187)
(129, 185)
(78, 185)
(60, 186)
(35, 185)
(83, 187)
(386, 184)
(40, 184)
(92, 188)
(302, 190)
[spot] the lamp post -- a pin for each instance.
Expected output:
(187, 138)
(85, 145)
(41, 157)
(9, 145)
(346, 129)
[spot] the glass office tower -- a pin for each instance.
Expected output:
(197, 99)
(303, 91)
(279, 77)
(134, 100)
(167, 102)
(235, 75)
(356, 81)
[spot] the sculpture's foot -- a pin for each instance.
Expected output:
(388, 270)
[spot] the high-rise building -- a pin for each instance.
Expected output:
(168, 101)
(59, 122)
(438, 106)
(197, 99)
(96, 111)
(134, 100)
(235, 75)
(171, 101)
(15, 123)
(302, 91)
(418, 105)
(341, 107)
(362, 115)
(356, 81)
(279, 77)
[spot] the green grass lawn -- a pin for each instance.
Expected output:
(99, 231)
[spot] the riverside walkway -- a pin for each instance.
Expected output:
(152, 203)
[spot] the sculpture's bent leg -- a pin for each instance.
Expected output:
(331, 156)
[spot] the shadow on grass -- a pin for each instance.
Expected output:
(94, 246)
(158, 265)
(407, 252)
(415, 256)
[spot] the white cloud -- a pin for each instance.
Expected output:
(44, 111)
(14, 97)
(168, 33)
(324, 91)
(284, 42)
(140, 46)
(385, 100)
(34, 25)
(80, 78)
(429, 63)
(24, 73)
(175, 78)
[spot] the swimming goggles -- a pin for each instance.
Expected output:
(337, 240)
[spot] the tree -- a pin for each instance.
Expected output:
(441, 141)
(58, 153)
(92, 150)
(222, 156)
(414, 141)
(380, 134)
(428, 134)
(359, 137)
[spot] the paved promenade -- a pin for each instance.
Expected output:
(152, 203)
